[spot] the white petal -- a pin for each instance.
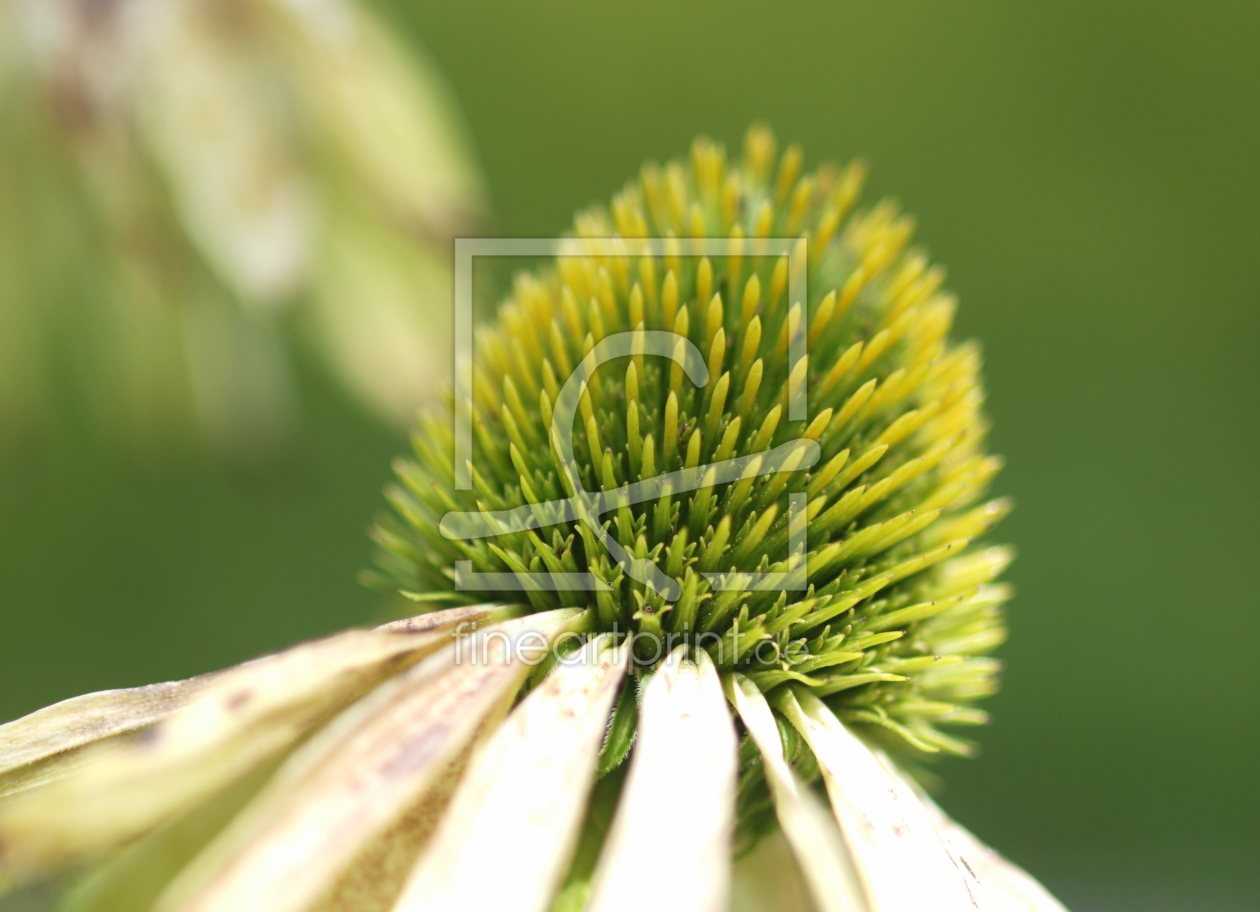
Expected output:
(358, 777)
(374, 879)
(520, 803)
(243, 716)
(1006, 886)
(670, 843)
(34, 749)
(133, 879)
(905, 864)
(819, 848)
(449, 617)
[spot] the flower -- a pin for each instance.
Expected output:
(614, 710)
(233, 173)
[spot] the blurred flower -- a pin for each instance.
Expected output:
(188, 183)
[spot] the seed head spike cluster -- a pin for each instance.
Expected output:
(432, 764)
(901, 607)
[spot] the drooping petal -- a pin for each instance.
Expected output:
(373, 880)
(520, 804)
(1006, 886)
(136, 876)
(359, 776)
(473, 615)
(674, 819)
(905, 865)
(110, 793)
(31, 747)
(819, 848)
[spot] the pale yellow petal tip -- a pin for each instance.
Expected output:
(36, 748)
(358, 777)
(908, 854)
(1002, 883)
(521, 800)
(104, 788)
(902, 861)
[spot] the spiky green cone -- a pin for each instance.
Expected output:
(901, 610)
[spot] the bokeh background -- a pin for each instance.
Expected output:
(1088, 173)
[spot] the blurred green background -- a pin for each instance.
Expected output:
(1088, 174)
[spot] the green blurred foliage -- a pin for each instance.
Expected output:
(1087, 173)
